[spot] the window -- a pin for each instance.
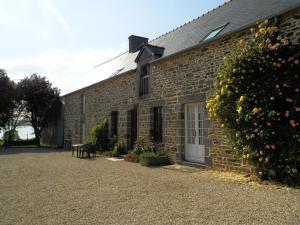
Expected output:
(214, 33)
(76, 127)
(82, 104)
(157, 124)
(114, 123)
(144, 80)
(117, 72)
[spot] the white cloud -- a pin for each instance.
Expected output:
(67, 70)
(57, 14)
(32, 16)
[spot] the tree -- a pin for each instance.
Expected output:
(11, 107)
(15, 137)
(6, 98)
(257, 99)
(42, 102)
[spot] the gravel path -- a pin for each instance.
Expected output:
(40, 187)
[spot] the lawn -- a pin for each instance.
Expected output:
(45, 186)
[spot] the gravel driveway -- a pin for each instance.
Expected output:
(40, 187)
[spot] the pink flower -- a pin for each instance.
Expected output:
(278, 65)
(273, 147)
(261, 152)
(267, 160)
(298, 109)
(296, 61)
(285, 41)
(293, 123)
(270, 45)
(269, 124)
(267, 146)
(287, 113)
(297, 90)
(268, 41)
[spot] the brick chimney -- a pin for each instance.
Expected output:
(136, 42)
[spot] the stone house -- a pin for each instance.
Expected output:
(158, 88)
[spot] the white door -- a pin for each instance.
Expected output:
(194, 147)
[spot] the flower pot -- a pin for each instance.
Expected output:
(154, 160)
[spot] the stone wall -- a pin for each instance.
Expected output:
(115, 94)
(175, 81)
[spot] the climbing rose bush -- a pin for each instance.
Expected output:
(257, 99)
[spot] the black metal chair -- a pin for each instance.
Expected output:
(89, 149)
(92, 149)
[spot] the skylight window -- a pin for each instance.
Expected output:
(117, 72)
(214, 33)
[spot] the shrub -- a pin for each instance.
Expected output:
(112, 142)
(257, 99)
(100, 132)
(132, 157)
(154, 158)
(143, 145)
(118, 149)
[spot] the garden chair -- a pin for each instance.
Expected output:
(89, 149)
(93, 148)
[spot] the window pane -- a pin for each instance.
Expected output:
(157, 124)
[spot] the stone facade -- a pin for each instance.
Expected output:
(183, 78)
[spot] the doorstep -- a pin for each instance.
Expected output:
(193, 164)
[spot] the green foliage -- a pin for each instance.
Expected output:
(143, 145)
(257, 98)
(1, 143)
(15, 136)
(112, 142)
(133, 157)
(7, 95)
(118, 149)
(100, 133)
(42, 102)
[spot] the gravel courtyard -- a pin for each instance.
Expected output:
(40, 187)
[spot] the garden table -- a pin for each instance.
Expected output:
(78, 148)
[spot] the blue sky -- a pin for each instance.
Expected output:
(63, 40)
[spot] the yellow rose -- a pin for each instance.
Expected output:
(242, 98)
(255, 110)
(240, 109)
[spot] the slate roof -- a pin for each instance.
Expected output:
(238, 14)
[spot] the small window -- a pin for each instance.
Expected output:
(117, 72)
(214, 33)
(114, 123)
(82, 104)
(76, 127)
(157, 127)
(144, 80)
